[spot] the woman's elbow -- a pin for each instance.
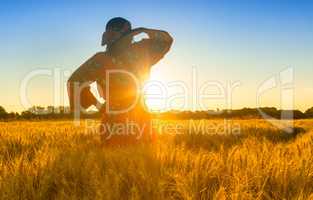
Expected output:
(170, 39)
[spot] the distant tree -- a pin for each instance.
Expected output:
(27, 115)
(51, 110)
(309, 113)
(3, 113)
(12, 115)
(297, 114)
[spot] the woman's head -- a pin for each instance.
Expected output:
(115, 29)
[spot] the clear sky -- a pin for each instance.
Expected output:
(225, 41)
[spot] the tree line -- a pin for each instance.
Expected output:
(41, 113)
(50, 112)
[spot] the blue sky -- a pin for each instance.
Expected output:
(226, 41)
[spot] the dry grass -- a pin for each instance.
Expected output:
(56, 160)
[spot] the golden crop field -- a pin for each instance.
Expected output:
(58, 160)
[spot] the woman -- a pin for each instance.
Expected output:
(119, 73)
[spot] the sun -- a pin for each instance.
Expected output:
(155, 92)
